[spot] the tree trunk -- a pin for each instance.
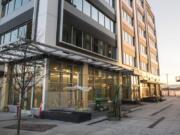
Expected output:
(19, 117)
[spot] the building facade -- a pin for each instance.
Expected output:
(109, 43)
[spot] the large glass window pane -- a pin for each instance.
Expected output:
(11, 7)
(112, 26)
(114, 53)
(87, 41)
(100, 47)
(4, 10)
(25, 2)
(22, 32)
(78, 4)
(18, 4)
(101, 18)
(111, 2)
(77, 37)
(108, 51)
(94, 14)
(7, 38)
(29, 30)
(14, 36)
(86, 8)
(67, 33)
(107, 23)
(95, 45)
(2, 40)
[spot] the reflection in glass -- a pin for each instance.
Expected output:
(86, 8)
(14, 36)
(101, 18)
(78, 4)
(77, 37)
(94, 13)
(67, 33)
(87, 41)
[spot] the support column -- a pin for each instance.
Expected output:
(47, 22)
(45, 84)
(5, 87)
(119, 32)
(85, 77)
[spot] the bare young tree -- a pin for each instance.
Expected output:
(26, 74)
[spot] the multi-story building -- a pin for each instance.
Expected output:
(139, 49)
(100, 44)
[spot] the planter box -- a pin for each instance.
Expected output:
(69, 116)
(153, 99)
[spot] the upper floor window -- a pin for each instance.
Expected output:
(153, 57)
(142, 32)
(89, 10)
(128, 59)
(140, 17)
(78, 4)
(141, 3)
(94, 14)
(110, 2)
(152, 43)
(128, 38)
(128, 18)
(150, 18)
(144, 66)
(152, 31)
(155, 71)
(143, 49)
(87, 41)
(129, 2)
(86, 8)
(14, 35)
(12, 5)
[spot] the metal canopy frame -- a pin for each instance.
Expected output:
(23, 51)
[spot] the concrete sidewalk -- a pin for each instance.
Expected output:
(5, 116)
(137, 123)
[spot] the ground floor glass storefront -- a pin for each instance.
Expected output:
(102, 82)
(72, 85)
(63, 79)
(33, 77)
(130, 86)
(150, 89)
(66, 80)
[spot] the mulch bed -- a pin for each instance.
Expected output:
(33, 127)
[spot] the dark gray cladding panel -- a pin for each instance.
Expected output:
(24, 17)
(103, 8)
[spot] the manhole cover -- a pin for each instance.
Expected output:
(33, 127)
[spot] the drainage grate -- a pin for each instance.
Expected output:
(156, 122)
(99, 121)
(161, 110)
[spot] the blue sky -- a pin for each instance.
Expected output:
(167, 13)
